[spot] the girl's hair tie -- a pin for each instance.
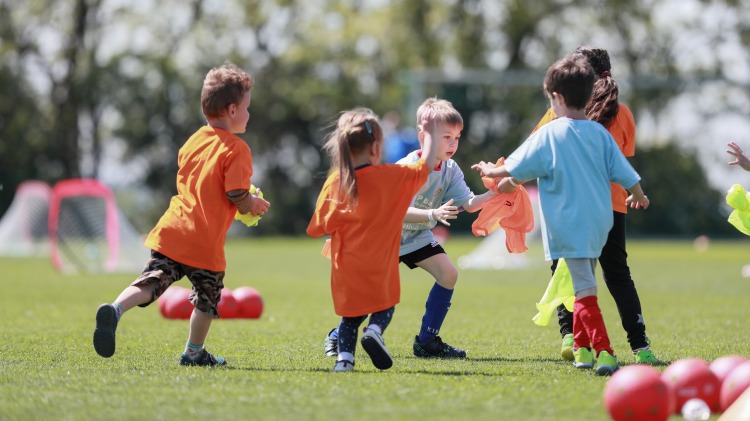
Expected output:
(605, 74)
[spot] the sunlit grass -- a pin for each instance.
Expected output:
(694, 305)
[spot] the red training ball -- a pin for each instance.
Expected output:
(722, 366)
(179, 306)
(734, 385)
(249, 302)
(164, 298)
(692, 378)
(228, 307)
(638, 392)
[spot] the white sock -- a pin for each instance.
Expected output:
(346, 356)
(375, 328)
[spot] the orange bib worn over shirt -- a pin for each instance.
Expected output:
(365, 241)
(622, 128)
(193, 230)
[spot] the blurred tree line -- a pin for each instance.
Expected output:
(110, 89)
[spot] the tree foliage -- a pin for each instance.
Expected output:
(113, 91)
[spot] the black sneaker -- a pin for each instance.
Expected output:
(374, 345)
(204, 359)
(104, 333)
(331, 344)
(436, 348)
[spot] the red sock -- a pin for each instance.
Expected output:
(580, 336)
(587, 310)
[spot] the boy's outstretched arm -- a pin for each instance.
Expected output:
(637, 198)
(740, 158)
(442, 214)
(487, 169)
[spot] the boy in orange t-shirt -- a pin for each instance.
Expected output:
(213, 182)
(362, 212)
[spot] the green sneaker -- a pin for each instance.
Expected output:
(583, 357)
(566, 351)
(606, 364)
(645, 356)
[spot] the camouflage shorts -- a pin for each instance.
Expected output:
(161, 272)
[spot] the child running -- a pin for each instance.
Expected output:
(574, 160)
(362, 206)
(603, 107)
(213, 180)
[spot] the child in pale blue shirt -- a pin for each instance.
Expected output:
(574, 160)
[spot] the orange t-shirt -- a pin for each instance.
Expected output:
(193, 230)
(622, 128)
(365, 242)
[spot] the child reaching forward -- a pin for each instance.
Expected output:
(362, 206)
(574, 160)
(604, 108)
(213, 180)
(438, 200)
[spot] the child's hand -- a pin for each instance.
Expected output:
(740, 158)
(427, 123)
(483, 167)
(258, 206)
(638, 201)
(445, 212)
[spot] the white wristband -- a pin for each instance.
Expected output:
(430, 216)
(510, 180)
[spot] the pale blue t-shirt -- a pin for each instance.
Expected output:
(573, 162)
(442, 185)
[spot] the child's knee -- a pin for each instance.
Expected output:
(448, 277)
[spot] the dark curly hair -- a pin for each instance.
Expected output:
(603, 105)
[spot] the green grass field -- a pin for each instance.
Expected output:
(695, 305)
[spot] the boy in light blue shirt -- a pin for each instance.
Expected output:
(574, 160)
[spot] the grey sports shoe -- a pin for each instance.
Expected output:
(331, 344)
(343, 366)
(205, 358)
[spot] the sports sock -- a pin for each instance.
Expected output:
(436, 308)
(645, 348)
(192, 350)
(580, 336)
(375, 328)
(118, 310)
(591, 317)
(348, 356)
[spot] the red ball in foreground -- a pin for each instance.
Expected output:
(638, 393)
(736, 382)
(249, 302)
(692, 378)
(722, 366)
(228, 307)
(179, 306)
